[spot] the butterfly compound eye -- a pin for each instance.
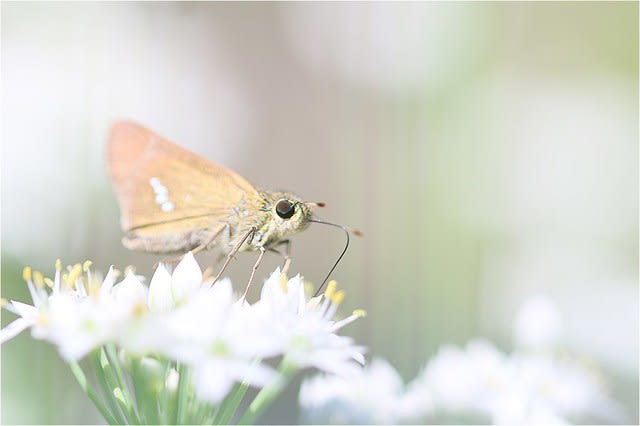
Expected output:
(285, 209)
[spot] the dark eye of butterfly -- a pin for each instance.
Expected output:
(285, 209)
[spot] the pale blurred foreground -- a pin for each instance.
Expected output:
(538, 383)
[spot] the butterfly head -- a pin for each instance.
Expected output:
(284, 214)
(289, 213)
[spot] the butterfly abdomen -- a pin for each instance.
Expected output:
(171, 243)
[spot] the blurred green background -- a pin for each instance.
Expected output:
(488, 151)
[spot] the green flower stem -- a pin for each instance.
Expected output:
(190, 406)
(115, 393)
(208, 417)
(84, 384)
(230, 404)
(102, 371)
(203, 413)
(126, 406)
(266, 396)
(167, 400)
(144, 394)
(123, 395)
(183, 395)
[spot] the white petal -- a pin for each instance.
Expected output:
(271, 285)
(221, 291)
(107, 283)
(160, 297)
(358, 356)
(327, 362)
(187, 277)
(13, 329)
(172, 380)
(538, 324)
(76, 347)
(211, 381)
(255, 374)
(23, 309)
(130, 291)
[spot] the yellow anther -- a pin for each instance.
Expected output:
(331, 289)
(94, 289)
(74, 274)
(26, 273)
(360, 313)
(43, 319)
(139, 309)
(283, 283)
(38, 278)
(308, 287)
(129, 270)
(48, 282)
(116, 273)
(86, 265)
(338, 297)
(58, 265)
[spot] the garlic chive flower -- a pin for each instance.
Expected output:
(477, 384)
(182, 337)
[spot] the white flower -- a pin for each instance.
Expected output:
(538, 324)
(181, 317)
(374, 396)
(524, 388)
(459, 380)
(28, 314)
(553, 386)
(304, 327)
(77, 315)
(220, 339)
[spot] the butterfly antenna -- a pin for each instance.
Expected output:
(346, 233)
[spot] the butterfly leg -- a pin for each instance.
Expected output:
(253, 272)
(286, 255)
(233, 252)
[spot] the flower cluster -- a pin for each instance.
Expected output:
(525, 387)
(375, 396)
(187, 320)
(535, 384)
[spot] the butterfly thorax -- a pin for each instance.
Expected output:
(276, 216)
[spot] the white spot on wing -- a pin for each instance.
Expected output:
(162, 195)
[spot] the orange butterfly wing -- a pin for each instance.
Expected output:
(162, 188)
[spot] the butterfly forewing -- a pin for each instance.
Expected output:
(165, 189)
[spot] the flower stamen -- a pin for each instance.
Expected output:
(26, 273)
(38, 279)
(73, 277)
